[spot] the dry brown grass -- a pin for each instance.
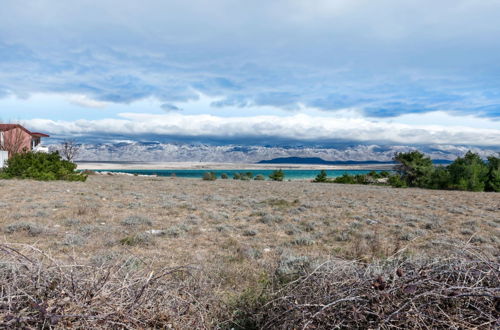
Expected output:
(234, 238)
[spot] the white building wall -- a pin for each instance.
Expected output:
(4, 155)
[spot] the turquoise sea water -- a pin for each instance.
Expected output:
(198, 174)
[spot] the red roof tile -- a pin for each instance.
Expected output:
(8, 127)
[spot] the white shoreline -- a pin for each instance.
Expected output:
(222, 166)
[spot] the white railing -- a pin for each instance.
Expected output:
(40, 148)
(4, 155)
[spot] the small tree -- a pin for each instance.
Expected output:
(468, 172)
(414, 167)
(321, 177)
(493, 179)
(278, 175)
(69, 150)
(223, 176)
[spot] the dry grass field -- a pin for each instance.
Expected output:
(213, 248)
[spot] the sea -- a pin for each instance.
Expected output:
(198, 174)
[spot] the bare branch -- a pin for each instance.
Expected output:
(69, 150)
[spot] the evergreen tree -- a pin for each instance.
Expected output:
(278, 175)
(321, 177)
(414, 168)
(493, 177)
(440, 178)
(468, 173)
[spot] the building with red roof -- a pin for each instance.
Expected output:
(15, 138)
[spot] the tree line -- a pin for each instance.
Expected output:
(415, 169)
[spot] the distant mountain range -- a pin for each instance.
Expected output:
(341, 154)
(320, 161)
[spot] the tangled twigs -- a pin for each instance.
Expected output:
(460, 292)
(45, 295)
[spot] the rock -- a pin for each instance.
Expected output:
(156, 232)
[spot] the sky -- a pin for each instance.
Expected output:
(311, 71)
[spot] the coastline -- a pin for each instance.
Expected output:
(220, 166)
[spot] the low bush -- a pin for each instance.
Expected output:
(259, 177)
(136, 221)
(278, 175)
(458, 293)
(354, 179)
(40, 166)
(250, 232)
(33, 229)
(396, 181)
(209, 176)
(137, 239)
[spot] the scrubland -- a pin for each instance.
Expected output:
(145, 252)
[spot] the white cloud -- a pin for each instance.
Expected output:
(85, 101)
(298, 127)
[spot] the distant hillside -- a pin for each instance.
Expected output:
(248, 154)
(320, 161)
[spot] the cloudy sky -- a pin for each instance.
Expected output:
(362, 71)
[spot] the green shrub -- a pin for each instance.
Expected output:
(224, 176)
(384, 174)
(209, 176)
(321, 177)
(259, 177)
(362, 179)
(396, 181)
(236, 176)
(278, 175)
(374, 175)
(40, 166)
(345, 178)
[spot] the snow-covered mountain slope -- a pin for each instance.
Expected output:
(166, 152)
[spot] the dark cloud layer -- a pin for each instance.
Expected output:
(385, 58)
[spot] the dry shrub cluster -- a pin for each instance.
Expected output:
(459, 293)
(37, 291)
